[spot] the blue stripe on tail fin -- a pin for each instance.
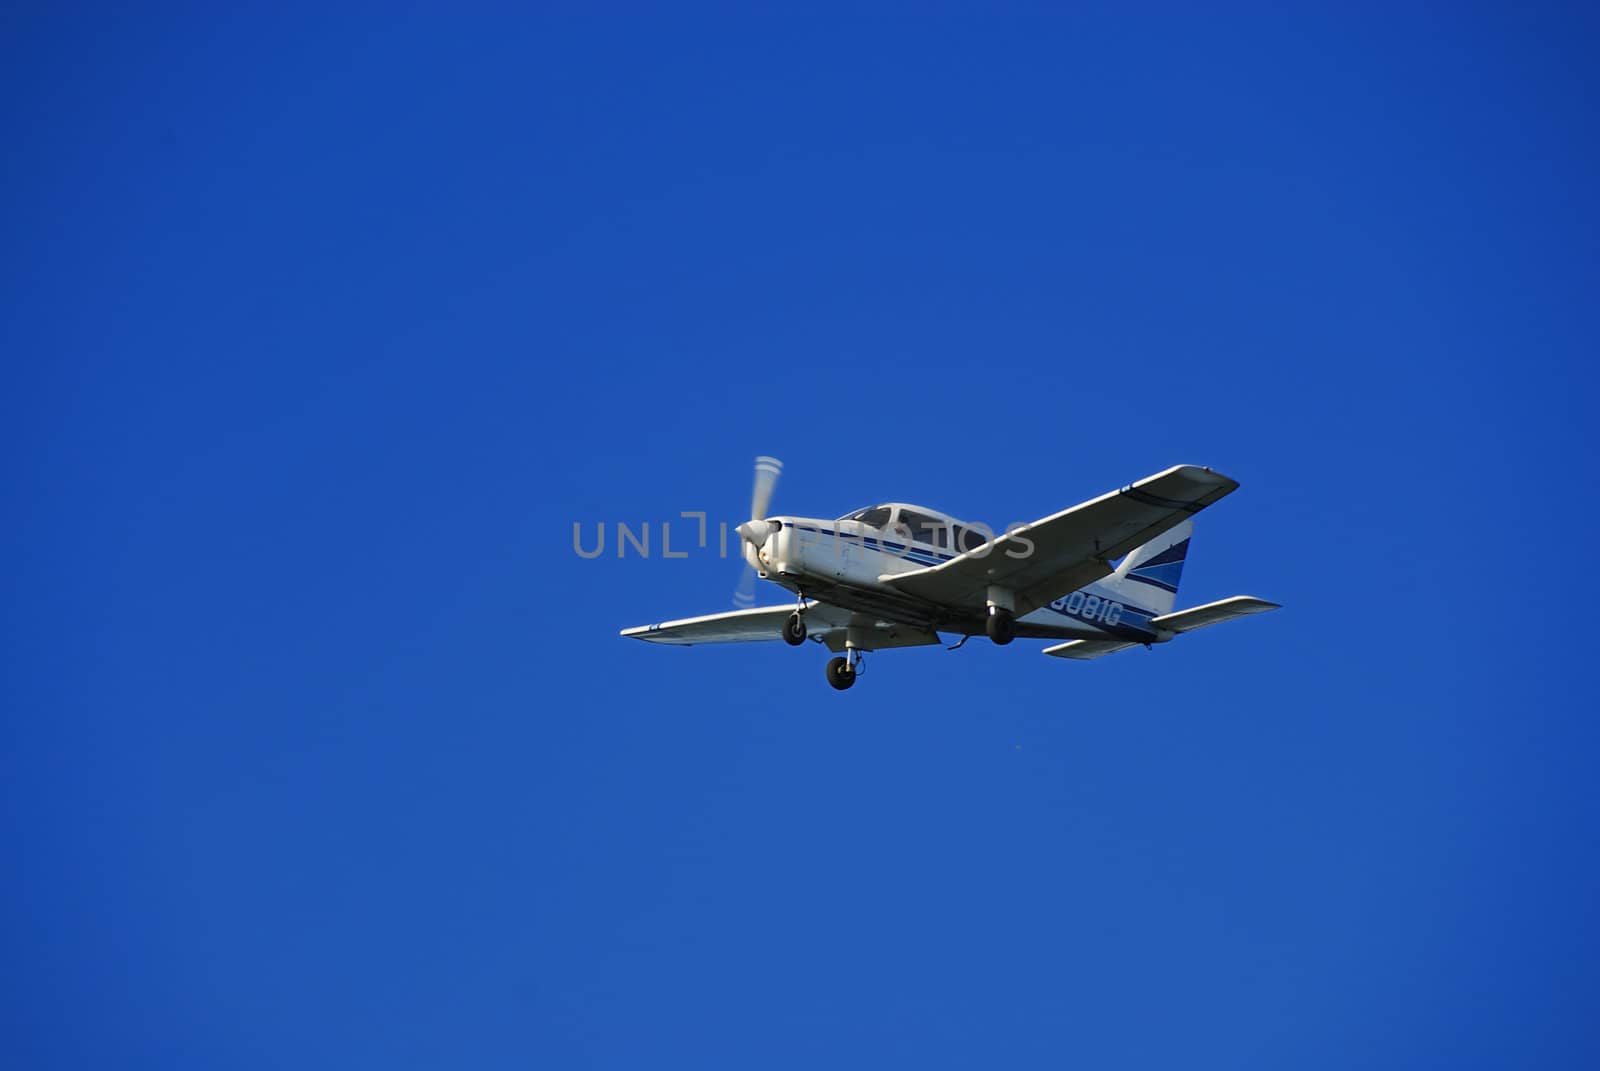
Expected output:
(1148, 577)
(1164, 570)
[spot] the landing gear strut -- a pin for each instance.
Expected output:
(1001, 626)
(842, 670)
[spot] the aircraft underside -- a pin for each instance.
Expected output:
(1043, 624)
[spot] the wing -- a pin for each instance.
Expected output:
(1069, 549)
(740, 626)
(824, 622)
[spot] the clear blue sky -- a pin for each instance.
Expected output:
(320, 746)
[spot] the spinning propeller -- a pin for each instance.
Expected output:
(756, 531)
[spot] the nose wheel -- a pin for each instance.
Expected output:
(794, 629)
(841, 672)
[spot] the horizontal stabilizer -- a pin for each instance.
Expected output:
(1211, 613)
(1087, 648)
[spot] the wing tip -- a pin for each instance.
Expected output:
(1205, 474)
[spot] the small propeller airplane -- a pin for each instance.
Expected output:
(897, 575)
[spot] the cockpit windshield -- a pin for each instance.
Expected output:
(928, 529)
(872, 516)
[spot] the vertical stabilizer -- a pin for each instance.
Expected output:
(1149, 576)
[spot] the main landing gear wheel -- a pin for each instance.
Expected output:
(794, 630)
(841, 674)
(1001, 626)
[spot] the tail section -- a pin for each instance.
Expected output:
(1147, 581)
(1148, 577)
(1167, 626)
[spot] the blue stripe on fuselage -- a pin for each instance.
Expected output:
(1133, 622)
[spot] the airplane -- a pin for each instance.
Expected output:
(896, 575)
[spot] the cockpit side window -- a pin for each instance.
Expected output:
(932, 531)
(968, 539)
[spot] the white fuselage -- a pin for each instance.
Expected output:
(844, 562)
